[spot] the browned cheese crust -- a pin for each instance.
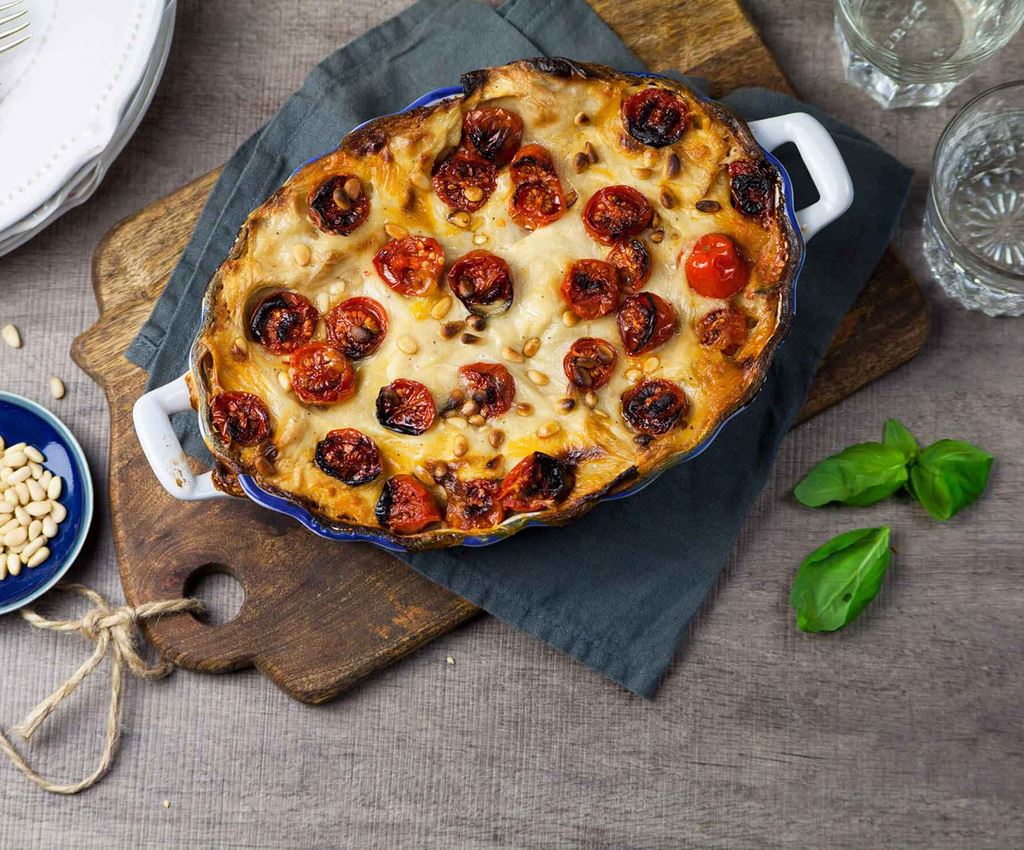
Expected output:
(571, 109)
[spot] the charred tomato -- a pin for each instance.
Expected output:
(724, 329)
(633, 260)
(494, 133)
(532, 162)
(490, 385)
(645, 321)
(654, 407)
(616, 212)
(321, 374)
(482, 282)
(357, 326)
(589, 363)
(715, 268)
(411, 265)
(240, 418)
(537, 203)
(591, 288)
(406, 506)
(405, 407)
(465, 181)
(331, 208)
(751, 188)
(474, 504)
(348, 455)
(655, 117)
(537, 482)
(283, 322)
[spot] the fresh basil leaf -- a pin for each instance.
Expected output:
(948, 476)
(859, 475)
(895, 434)
(836, 582)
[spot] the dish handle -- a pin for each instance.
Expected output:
(152, 418)
(824, 163)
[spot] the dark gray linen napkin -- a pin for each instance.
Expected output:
(617, 588)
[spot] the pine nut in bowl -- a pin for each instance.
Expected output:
(46, 501)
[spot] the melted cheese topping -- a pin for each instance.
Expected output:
(396, 177)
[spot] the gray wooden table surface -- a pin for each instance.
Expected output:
(904, 730)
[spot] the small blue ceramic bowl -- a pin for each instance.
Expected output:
(24, 420)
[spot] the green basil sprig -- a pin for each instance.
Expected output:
(944, 478)
(836, 582)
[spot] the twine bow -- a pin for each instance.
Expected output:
(113, 630)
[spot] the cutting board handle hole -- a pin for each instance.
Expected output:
(220, 591)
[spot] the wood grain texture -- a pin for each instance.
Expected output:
(371, 609)
(902, 731)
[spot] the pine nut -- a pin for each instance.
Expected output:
(301, 254)
(57, 389)
(33, 454)
(395, 231)
(35, 491)
(668, 200)
(38, 509)
(22, 515)
(590, 399)
(473, 194)
(440, 470)
(284, 380)
(13, 564)
(657, 236)
(469, 339)
(11, 336)
(461, 219)
(470, 408)
(4, 472)
(33, 547)
(531, 346)
(539, 378)
(707, 206)
(450, 329)
(6, 507)
(651, 364)
(353, 188)
(407, 345)
(420, 180)
(479, 238)
(588, 149)
(477, 421)
(566, 404)
(35, 528)
(496, 438)
(38, 558)
(19, 475)
(23, 495)
(457, 422)
(16, 536)
(10, 525)
(569, 319)
(322, 302)
(461, 446)
(650, 157)
(58, 512)
(510, 354)
(580, 162)
(49, 527)
(672, 165)
(581, 119)
(524, 408)
(15, 458)
(441, 307)
(548, 429)
(37, 470)
(477, 323)
(641, 172)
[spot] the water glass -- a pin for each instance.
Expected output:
(915, 52)
(974, 219)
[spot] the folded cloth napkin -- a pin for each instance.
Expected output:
(617, 588)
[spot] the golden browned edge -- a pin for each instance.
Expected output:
(375, 133)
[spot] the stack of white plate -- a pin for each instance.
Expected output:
(70, 99)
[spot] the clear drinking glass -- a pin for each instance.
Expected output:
(915, 52)
(974, 219)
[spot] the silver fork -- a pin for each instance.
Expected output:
(17, 32)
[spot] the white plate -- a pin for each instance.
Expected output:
(64, 99)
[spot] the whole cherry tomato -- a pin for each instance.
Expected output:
(715, 268)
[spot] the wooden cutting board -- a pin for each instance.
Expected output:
(319, 616)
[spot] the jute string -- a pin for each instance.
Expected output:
(114, 632)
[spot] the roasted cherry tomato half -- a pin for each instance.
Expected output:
(490, 385)
(591, 288)
(241, 419)
(536, 203)
(333, 211)
(411, 265)
(751, 187)
(406, 506)
(357, 326)
(589, 363)
(283, 322)
(348, 455)
(474, 504)
(465, 181)
(654, 407)
(724, 329)
(405, 407)
(645, 321)
(321, 374)
(537, 482)
(533, 162)
(655, 117)
(715, 268)
(495, 133)
(482, 282)
(633, 260)
(616, 212)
